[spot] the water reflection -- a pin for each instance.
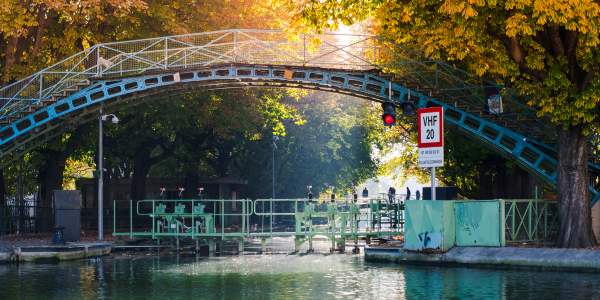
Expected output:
(283, 275)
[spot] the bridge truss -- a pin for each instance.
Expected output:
(116, 75)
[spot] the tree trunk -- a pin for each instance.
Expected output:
(10, 58)
(574, 210)
(107, 203)
(530, 184)
(500, 180)
(486, 180)
(96, 183)
(54, 168)
(513, 185)
(141, 168)
(191, 185)
(2, 185)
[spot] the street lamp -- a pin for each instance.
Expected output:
(275, 138)
(115, 120)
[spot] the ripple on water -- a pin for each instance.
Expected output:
(318, 275)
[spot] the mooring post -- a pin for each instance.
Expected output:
(263, 242)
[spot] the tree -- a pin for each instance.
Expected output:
(331, 147)
(195, 135)
(549, 49)
(35, 34)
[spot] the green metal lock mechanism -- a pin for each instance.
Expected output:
(332, 209)
(199, 209)
(179, 209)
(309, 210)
(160, 209)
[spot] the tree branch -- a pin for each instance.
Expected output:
(556, 42)
(41, 28)
(516, 53)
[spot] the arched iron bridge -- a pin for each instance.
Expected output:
(114, 76)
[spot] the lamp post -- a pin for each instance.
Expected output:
(275, 138)
(114, 120)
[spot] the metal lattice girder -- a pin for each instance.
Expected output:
(72, 91)
(336, 51)
(528, 220)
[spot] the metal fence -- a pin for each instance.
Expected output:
(29, 216)
(24, 216)
(530, 220)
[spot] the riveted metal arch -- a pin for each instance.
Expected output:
(364, 84)
(359, 84)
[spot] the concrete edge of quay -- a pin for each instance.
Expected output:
(495, 257)
(52, 253)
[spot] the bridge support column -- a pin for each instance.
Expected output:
(240, 244)
(342, 244)
(367, 240)
(297, 243)
(197, 245)
(211, 244)
(263, 242)
(332, 243)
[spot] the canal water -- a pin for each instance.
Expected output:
(279, 274)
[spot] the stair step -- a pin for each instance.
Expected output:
(84, 83)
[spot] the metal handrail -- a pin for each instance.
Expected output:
(196, 201)
(535, 222)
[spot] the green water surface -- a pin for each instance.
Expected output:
(279, 275)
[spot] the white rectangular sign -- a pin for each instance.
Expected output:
(431, 157)
(430, 129)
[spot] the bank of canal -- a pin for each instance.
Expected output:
(281, 274)
(496, 257)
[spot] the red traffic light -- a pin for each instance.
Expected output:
(389, 119)
(389, 113)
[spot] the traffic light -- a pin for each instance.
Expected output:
(408, 107)
(389, 113)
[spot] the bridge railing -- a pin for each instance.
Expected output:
(374, 217)
(330, 50)
(530, 220)
(222, 213)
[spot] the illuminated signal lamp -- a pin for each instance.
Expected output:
(389, 113)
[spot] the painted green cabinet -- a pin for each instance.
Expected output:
(429, 225)
(479, 223)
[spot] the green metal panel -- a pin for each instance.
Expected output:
(429, 225)
(479, 223)
(530, 220)
(449, 225)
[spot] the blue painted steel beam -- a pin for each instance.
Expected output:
(502, 140)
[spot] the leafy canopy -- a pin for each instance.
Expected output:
(549, 49)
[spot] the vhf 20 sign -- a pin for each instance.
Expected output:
(431, 137)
